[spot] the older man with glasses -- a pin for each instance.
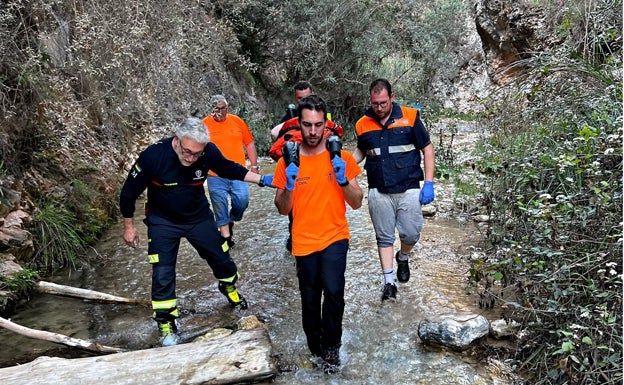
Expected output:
(391, 138)
(173, 171)
(233, 138)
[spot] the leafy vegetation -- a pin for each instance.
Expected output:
(14, 287)
(59, 240)
(554, 161)
(20, 282)
(341, 46)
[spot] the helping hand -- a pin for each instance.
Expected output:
(266, 181)
(427, 195)
(292, 171)
(339, 170)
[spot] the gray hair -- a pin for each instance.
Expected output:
(194, 129)
(218, 99)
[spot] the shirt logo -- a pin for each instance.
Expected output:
(198, 175)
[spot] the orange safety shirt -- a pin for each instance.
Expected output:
(230, 136)
(318, 202)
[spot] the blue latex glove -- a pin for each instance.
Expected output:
(339, 170)
(292, 171)
(266, 180)
(427, 195)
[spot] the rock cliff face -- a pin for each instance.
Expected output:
(510, 31)
(464, 80)
(497, 34)
(15, 241)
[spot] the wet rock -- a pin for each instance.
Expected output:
(8, 266)
(500, 328)
(251, 322)
(455, 331)
(429, 210)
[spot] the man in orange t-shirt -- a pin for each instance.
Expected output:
(233, 138)
(315, 185)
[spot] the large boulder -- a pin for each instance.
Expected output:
(455, 331)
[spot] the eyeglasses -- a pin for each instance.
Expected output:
(187, 152)
(219, 108)
(380, 104)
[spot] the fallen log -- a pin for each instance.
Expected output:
(57, 338)
(70, 291)
(244, 356)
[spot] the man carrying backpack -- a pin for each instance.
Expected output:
(290, 131)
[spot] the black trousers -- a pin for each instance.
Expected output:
(164, 242)
(322, 283)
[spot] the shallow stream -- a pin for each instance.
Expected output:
(380, 342)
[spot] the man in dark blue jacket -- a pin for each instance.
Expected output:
(174, 170)
(392, 138)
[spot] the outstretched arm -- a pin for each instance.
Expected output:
(252, 155)
(358, 155)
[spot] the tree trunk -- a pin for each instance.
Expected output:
(244, 356)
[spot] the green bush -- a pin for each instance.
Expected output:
(19, 283)
(555, 195)
(58, 238)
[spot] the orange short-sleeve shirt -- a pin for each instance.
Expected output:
(319, 208)
(230, 136)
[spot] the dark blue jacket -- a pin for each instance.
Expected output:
(174, 191)
(393, 150)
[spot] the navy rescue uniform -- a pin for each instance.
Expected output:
(393, 150)
(177, 207)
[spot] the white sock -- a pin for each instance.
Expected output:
(388, 275)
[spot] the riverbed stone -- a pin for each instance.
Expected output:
(429, 210)
(501, 329)
(455, 331)
(8, 266)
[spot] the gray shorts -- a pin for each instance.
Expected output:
(401, 211)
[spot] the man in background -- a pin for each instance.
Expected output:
(233, 138)
(391, 138)
(302, 89)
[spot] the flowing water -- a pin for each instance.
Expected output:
(380, 341)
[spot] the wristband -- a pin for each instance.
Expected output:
(345, 184)
(255, 167)
(261, 181)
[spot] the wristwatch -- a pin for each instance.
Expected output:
(255, 167)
